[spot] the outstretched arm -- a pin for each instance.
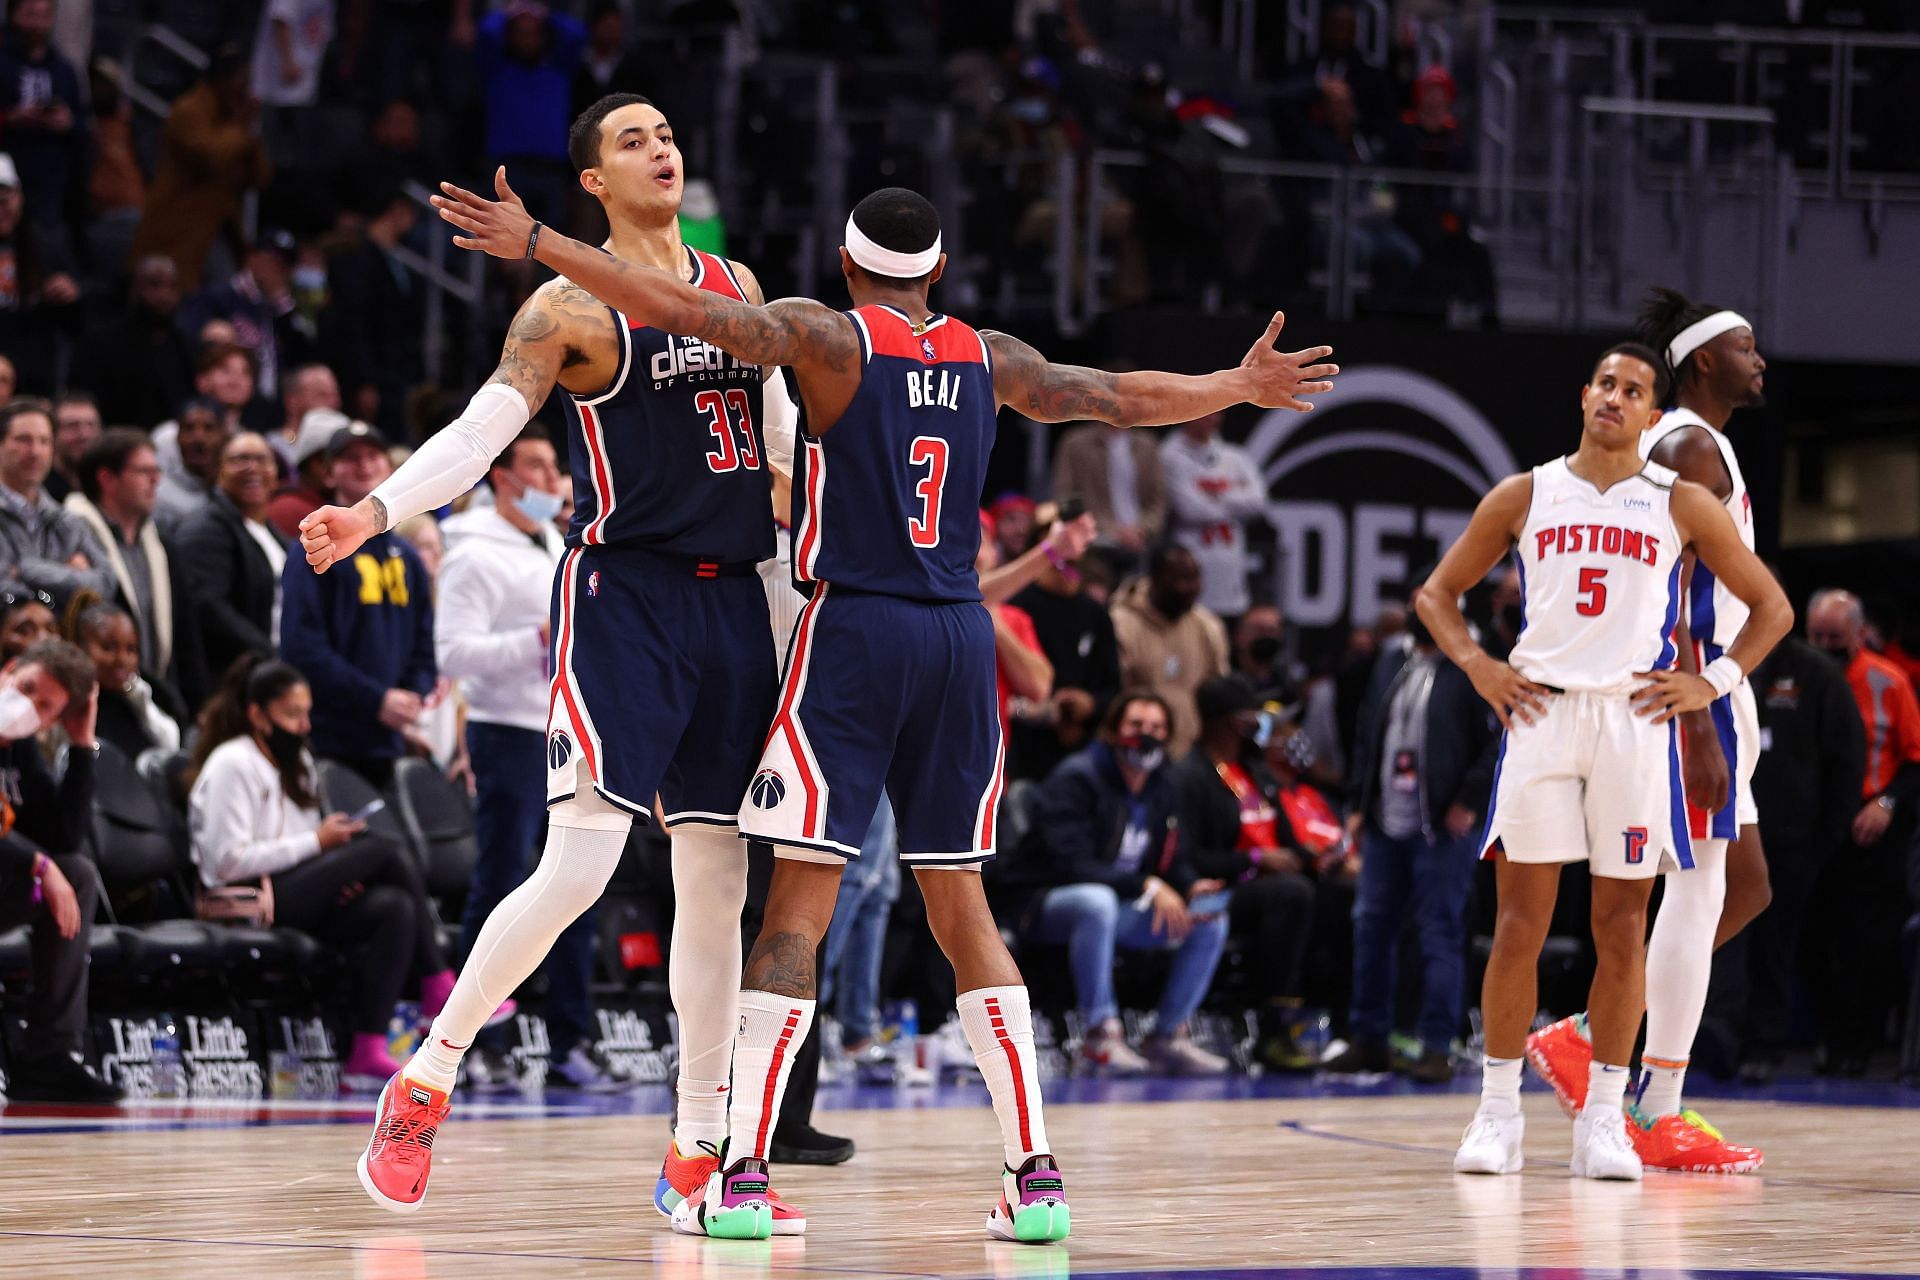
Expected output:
(1025, 381)
(790, 331)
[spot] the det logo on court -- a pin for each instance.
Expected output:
(1371, 487)
(767, 790)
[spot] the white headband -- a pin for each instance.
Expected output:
(890, 262)
(1701, 332)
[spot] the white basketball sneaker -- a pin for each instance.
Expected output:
(1491, 1143)
(1601, 1148)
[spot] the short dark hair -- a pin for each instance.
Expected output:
(214, 354)
(69, 666)
(1117, 710)
(898, 219)
(532, 433)
(1642, 352)
(66, 398)
(111, 452)
(583, 137)
(19, 407)
(1162, 556)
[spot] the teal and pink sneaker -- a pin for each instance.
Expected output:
(737, 1204)
(1033, 1204)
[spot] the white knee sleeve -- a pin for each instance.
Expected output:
(703, 972)
(1680, 952)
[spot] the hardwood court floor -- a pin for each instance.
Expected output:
(1300, 1185)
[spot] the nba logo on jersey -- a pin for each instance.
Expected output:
(926, 349)
(559, 750)
(593, 583)
(768, 789)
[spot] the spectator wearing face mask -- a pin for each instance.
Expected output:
(1102, 869)
(1422, 774)
(1169, 642)
(46, 882)
(1259, 654)
(255, 813)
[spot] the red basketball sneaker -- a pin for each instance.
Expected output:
(1686, 1143)
(684, 1176)
(1562, 1054)
(398, 1157)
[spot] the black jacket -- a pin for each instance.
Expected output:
(1462, 742)
(1080, 814)
(48, 817)
(230, 582)
(1076, 634)
(1210, 816)
(1814, 752)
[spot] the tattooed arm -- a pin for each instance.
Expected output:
(555, 331)
(1272, 379)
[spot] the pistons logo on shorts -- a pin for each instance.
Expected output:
(559, 749)
(767, 790)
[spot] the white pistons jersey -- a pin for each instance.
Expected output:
(1599, 579)
(1714, 614)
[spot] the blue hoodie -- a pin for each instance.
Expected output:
(355, 632)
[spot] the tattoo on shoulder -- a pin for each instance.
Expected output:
(785, 332)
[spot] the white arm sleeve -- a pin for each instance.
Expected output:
(782, 420)
(456, 458)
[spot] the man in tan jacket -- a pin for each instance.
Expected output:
(1116, 473)
(1169, 643)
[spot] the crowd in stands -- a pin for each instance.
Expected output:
(1270, 834)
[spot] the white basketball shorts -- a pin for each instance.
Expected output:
(1591, 781)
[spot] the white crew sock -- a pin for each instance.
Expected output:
(1606, 1086)
(999, 1026)
(771, 1031)
(1500, 1085)
(703, 975)
(1679, 966)
(574, 870)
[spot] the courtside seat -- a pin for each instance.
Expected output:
(140, 842)
(438, 816)
(16, 954)
(344, 791)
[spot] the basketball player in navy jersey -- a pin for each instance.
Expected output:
(890, 673)
(1715, 368)
(663, 680)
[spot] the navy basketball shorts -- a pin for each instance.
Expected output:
(663, 683)
(883, 692)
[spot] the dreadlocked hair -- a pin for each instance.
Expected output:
(1662, 316)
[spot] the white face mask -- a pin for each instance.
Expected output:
(19, 718)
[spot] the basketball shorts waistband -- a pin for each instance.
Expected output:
(672, 564)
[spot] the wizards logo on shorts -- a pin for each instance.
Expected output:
(767, 790)
(559, 749)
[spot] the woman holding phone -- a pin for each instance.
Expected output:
(255, 812)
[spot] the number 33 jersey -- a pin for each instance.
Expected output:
(669, 456)
(888, 501)
(1599, 579)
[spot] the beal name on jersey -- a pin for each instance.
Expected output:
(697, 360)
(933, 388)
(1606, 539)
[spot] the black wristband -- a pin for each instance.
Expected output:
(533, 238)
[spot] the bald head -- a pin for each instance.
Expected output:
(1835, 622)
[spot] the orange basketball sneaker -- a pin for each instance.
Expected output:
(1562, 1054)
(398, 1157)
(1686, 1143)
(682, 1176)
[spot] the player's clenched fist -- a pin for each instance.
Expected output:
(332, 534)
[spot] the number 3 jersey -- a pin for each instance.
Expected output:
(888, 501)
(1599, 579)
(669, 456)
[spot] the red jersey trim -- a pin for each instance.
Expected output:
(944, 341)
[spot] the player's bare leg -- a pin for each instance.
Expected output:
(1509, 993)
(1601, 1148)
(1749, 888)
(998, 1019)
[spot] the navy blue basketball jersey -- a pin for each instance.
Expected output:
(668, 457)
(888, 501)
